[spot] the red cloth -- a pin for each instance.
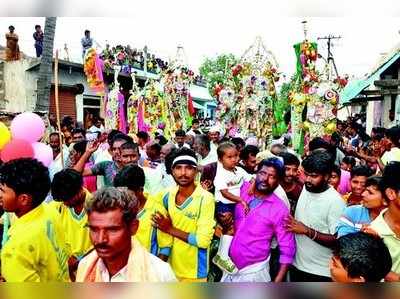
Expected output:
(90, 182)
(190, 106)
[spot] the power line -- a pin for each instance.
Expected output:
(330, 58)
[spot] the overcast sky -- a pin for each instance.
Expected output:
(207, 28)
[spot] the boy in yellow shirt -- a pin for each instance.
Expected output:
(68, 208)
(35, 249)
(155, 241)
(190, 219)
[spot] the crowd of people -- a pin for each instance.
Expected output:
(126, 55)
(121, 55)
(203, 206)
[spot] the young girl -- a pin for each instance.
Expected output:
(227, 182)
(348, 163)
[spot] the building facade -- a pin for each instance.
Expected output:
(18, 90)
(377, 95)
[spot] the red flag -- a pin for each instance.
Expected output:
(190, 106)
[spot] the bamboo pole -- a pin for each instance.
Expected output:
(56, 98)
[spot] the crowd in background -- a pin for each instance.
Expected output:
(204, 206)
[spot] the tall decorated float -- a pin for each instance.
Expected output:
(246, 100)
(176, 81)
(314, 97)
(163, 102)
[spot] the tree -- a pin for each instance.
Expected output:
(217, 70)
(45, 70)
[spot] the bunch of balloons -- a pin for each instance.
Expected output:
(22, 139)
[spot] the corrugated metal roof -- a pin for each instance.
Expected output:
(354, 88)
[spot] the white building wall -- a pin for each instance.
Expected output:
(397, 109)
(344, 113)
(20, 87)
(387, 102)
(79, 107)
(370, 116)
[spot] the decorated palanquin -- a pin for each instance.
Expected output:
(147, 109)
(176, 81)
(114, 100)
(314, 97)
(246, 101)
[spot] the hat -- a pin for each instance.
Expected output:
(215, 129)
(185, 159)
(191, 133)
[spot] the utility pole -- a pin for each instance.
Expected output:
(305, 29)
(330, 58)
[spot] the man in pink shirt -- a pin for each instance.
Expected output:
(251, 245)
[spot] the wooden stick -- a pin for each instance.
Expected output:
(58, 107)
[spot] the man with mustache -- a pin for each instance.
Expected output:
(108, 169)
(290, 182)
(251, 245)
(190, 219)
(318, 210)
(117, 256)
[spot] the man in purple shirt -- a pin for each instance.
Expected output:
(251, 245)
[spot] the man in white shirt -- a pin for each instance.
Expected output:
(318, 210)
(118, 257)
(392, 135)
(201, 146)
(180, 137)
(142, 139)
(195, 129)
(248, 158)
(214, 136)
(57, 164)
(167, 180)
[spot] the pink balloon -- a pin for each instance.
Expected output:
(43, 153)
(27, 126)
(16, 149)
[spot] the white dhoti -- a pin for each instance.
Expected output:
(258, 272)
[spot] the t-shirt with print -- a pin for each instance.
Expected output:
(108, 169)
(229, 180)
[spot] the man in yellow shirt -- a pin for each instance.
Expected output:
(155, 241)
(35, 249)
(190, 219)
(387, 224)
(68, 208)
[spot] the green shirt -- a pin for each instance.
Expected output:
(108, 169)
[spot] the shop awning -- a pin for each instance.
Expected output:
(197, 105)
(212, 104)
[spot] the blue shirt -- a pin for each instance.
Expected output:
(353, 218)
